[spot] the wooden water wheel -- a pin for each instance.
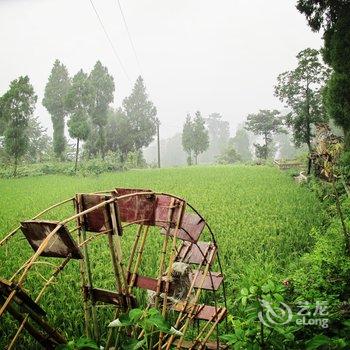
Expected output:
(186, 283)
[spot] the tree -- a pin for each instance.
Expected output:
(337, 92)
(140, 114)
(334, 17)
(2, 117)
(17, 107)
(55, 102)
(301, 90)
(200, 136)
(102, 95)
(286, 149)
(265, 123)
(78, 103)
(321, 13)
(337, 101)
(118, 134)
(241, 144)
(195, 137)
(39, 143)
(219, 133)
(187, 138)
(229, 156)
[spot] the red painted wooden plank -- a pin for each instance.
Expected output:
(60, 245)
(191, 228)
(148, 209)
(197, 253)
(210, 345)
(201, 311)
(98, 220)
(212, 280)
(110, 297)
(139, 209)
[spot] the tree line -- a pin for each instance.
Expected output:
(305, 93)
(313, 92)
(82, 104)
(308, 93)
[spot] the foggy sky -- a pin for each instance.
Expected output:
(213, 56)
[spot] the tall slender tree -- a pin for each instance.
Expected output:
(118, 134)
(55, 102)
(78, 102)
(18, 105)
(301, 90)
(187, 138)
(2, 117)
(201, 136)
(140, 113)
(333, 16)
(195, 137)
(103, 87)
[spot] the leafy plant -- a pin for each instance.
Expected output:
(265, 321)
(82, 343)
(150, 321)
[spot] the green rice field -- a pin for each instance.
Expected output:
(261, 219)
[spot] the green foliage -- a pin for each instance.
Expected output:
(140, 116)
(2, 117)
(78, 103)
(228, 156)
(219, 133)
(322, 13)
(301, 90)
(150, 321)
(260, 217)
(286, 149)
(324, 272)
(195, 137)
(17, 107)
(261, 320)
(102, 89)
(261, 151)
(134, 160)
(336, 50)
(55, 102)
(337, 53)
(94, 166)
(321, 341)
(117, 133)
(82, 343)
(325, 265)
(265, 123)
(334, 15)
(187, 135)
(337, 99)
(241, 143)
(39, 143)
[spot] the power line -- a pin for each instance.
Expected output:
(129, 36)
(110, 41)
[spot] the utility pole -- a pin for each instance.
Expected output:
(158, 141)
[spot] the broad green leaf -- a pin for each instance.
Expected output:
(265, 288)
(244, 291)
(135, 314)
(317, 341)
